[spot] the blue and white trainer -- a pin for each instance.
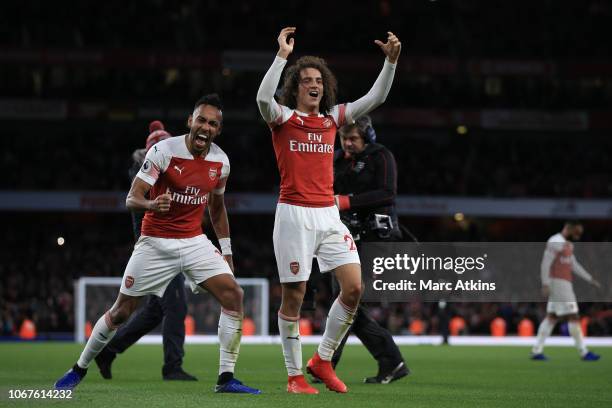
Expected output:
(234, 386)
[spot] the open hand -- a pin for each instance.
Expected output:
(285, 47)
(391, 48)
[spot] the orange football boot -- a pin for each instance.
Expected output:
(324, 371)
(297, 385)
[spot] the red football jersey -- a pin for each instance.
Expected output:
(169, 167)
(304, 147)
(561, 268)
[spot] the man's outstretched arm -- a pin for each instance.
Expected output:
(268, 107)
(379, 91)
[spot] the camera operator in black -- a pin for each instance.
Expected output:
(170, 310)
(365, 181)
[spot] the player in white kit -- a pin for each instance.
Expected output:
(182, 175)
(558, 263)
(307, 222)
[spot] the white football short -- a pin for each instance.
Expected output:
(156, 261)
(301, 233)
(562, 300)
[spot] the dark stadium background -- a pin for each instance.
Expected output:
(492, 100)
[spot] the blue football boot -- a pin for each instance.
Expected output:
(234, 386)
(71, 379)
(590, 356)
(538, 357)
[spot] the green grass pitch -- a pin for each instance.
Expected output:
(441, 377)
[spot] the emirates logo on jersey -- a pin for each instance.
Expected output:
(129, 281)
(294, 267)
(191, 196)
(212, 173)
(327, 123)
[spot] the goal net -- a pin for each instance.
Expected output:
(95, 295)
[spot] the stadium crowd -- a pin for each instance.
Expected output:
(456, 27)
(36, 278)
(430, 163)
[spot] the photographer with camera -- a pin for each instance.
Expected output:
(365, 184)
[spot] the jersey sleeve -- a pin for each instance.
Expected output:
(225, 171)
(375, 96)
(156, 162)
(547, 261)
(580, 271)
(338, 113)
(553, 247)
(270, 110)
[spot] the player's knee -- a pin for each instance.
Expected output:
(353, 291)
(120, 315)
(293, 300)
(232, 298)
(238, 293)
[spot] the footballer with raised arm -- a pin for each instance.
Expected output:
(307, 222)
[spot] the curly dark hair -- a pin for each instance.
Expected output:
(292, 80)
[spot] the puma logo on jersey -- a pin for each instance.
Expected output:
(300, 120)
(180, 170)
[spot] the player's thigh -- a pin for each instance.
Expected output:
(203, 261)
(223, 287)
(294, 244)
(153, 264)
(336, 248)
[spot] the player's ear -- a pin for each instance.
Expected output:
(189, 120)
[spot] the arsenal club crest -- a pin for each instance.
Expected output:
(294, 267)
(129, 281)
(327, 123)
(212, 173)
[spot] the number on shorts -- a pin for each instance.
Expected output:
(347, 238)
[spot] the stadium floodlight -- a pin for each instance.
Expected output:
(95, 295)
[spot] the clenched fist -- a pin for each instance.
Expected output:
(161, 203)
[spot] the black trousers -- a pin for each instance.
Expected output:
(376, 339)
(170, 310)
